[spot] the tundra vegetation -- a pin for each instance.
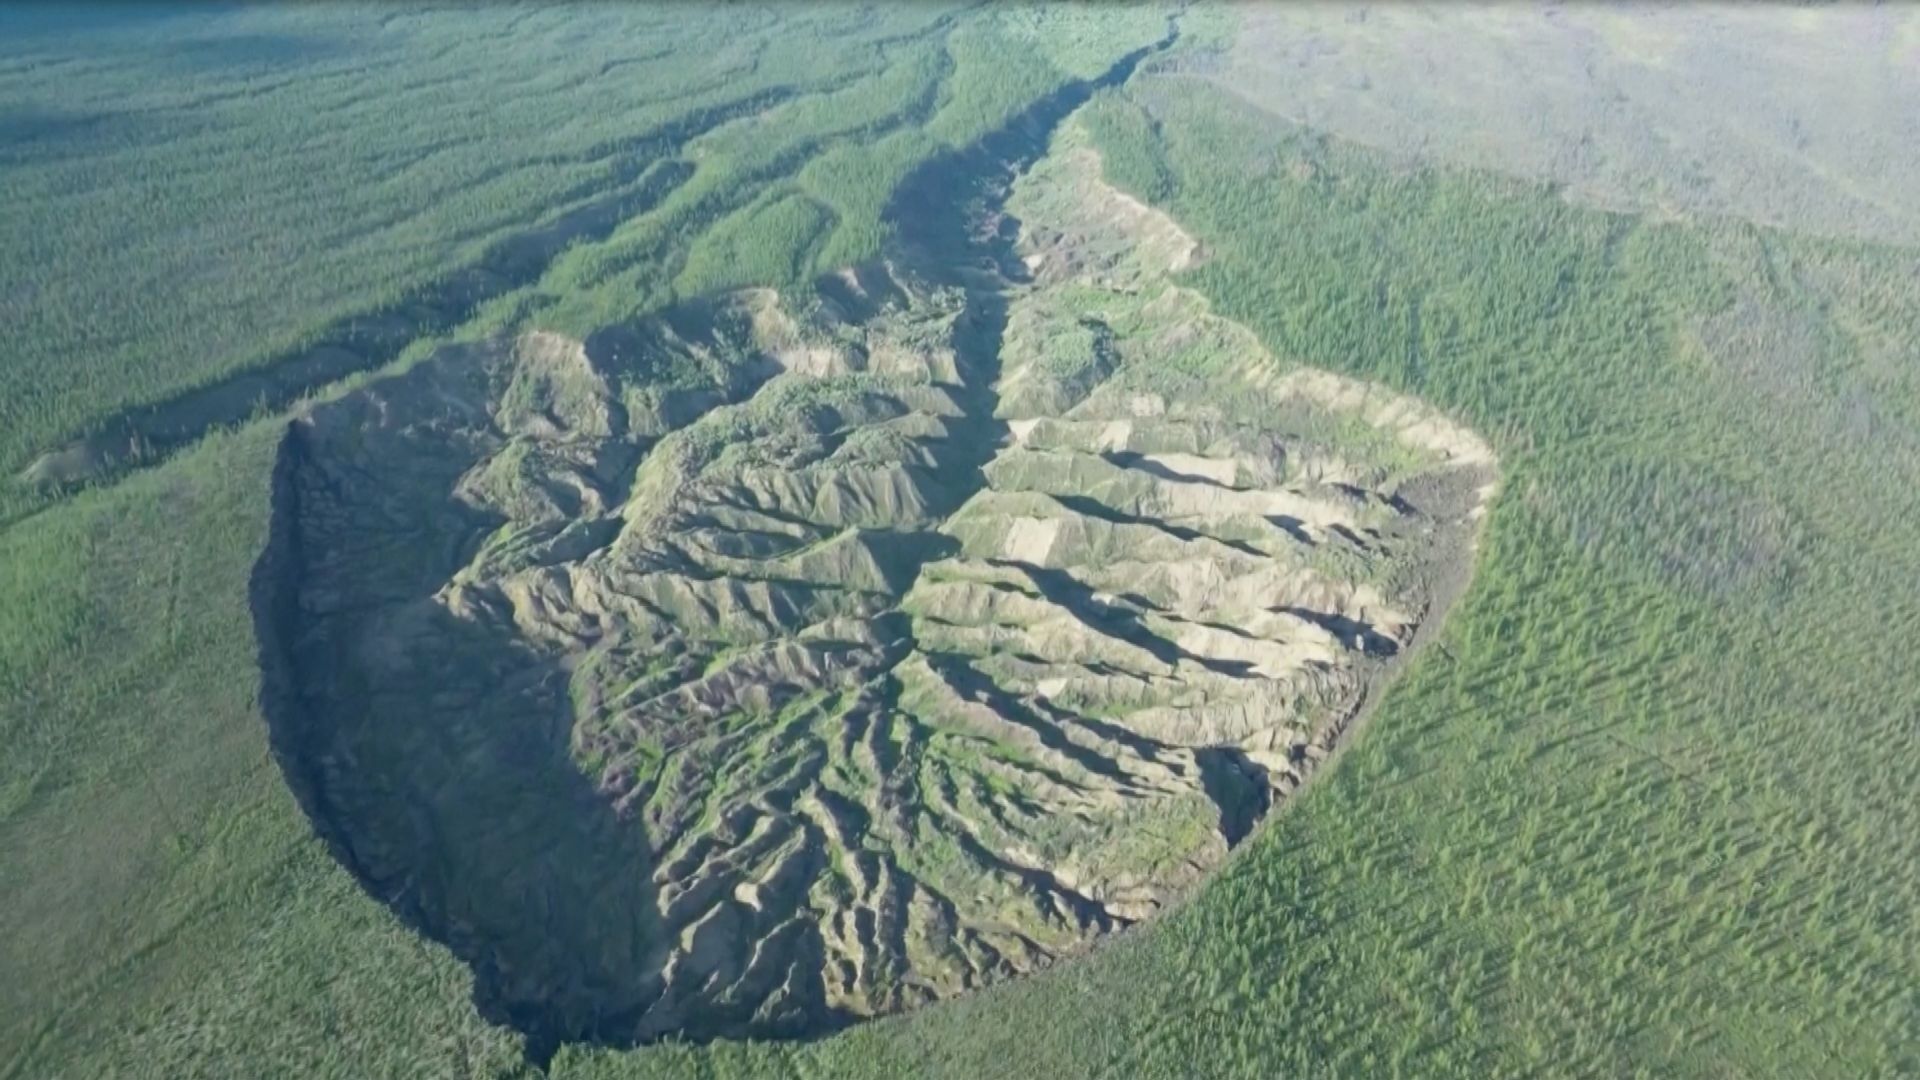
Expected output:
(599, 540)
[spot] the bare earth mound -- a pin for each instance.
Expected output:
(755, 669)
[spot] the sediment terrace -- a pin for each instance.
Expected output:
(764, 666)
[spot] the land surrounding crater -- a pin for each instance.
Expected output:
(767, 665)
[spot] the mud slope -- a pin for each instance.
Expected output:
(762, 667)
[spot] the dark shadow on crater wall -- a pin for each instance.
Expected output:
(430, 751)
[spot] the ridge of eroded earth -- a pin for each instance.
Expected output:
(761, 667)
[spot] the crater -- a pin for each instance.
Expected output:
(762, 667)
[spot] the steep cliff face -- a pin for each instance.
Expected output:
(765, 666)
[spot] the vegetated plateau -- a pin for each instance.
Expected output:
(730, 526)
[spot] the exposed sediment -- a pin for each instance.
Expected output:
(761, 667)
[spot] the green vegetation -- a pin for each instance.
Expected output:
(768, 241)
(857, 179)
(1645, 810)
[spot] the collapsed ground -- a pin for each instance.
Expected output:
(759, 666)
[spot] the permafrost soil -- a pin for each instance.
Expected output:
(757, 669)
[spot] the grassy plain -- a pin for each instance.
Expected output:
(1644, 810)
